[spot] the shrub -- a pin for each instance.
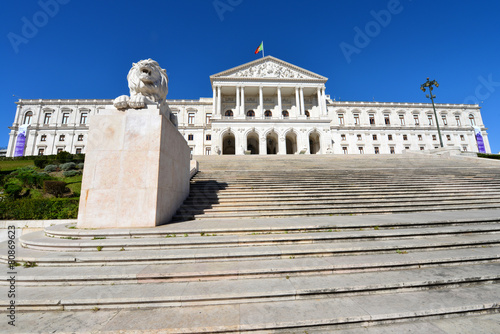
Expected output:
(68, 166)
(29, 177)
(41, 161)
(13, 190)
(64, 157)
(56, 188)
(489, 156)
(50, 168)
(70, 173)
(79, 166)
(47, 208)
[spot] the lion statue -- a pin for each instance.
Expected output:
(147, 82)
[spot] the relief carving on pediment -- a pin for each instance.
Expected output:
(269, 70)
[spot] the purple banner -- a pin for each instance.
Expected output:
(480, 140)
(21, 141)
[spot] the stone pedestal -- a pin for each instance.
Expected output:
(136, 170)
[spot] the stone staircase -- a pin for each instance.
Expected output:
(432, 271)
(291, 186)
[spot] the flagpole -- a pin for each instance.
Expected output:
(262, 49)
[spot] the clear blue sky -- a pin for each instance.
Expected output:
(84, 49)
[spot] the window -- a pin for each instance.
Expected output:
(190, 137)
(83, 118)
(389, 137)
(445, 121)
(344, 149)
(208, 150)
(40, 151)
(27, 117)
(377, 150)
(341, 119)
(471, 119)
(374, 137)
(342, 137)
(402, 119)
(59, 150)
(415, 118)
(420, 137)
(268, 114)
(208, 118)
(80, 137)
(250, 113)
(464, 148)
(407, 147)
(46, 119)
(457, 118)
(372, 119)
(43, 137)
(422, 148)
(393, 151)
(462, 137)
(434, 137)
(387, 120)
(208, 137)
(356, 119)
(78, 150)
(360, 137)
(308, 114)
(191, 118)
(448, 137)
(405, 137)
(285, 113)
(61, 137)
(65, 118)
(361, 150)
(429, 117)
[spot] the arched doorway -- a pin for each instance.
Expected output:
(250, 113)
(268, 114)
(228, 144)
(272, 143)
(291, 143)
(314, 145)
(228, 113)
(253, 143)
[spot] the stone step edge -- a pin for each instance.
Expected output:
(265, 295)
(234, 206)
(37, 240)
(70, 230)
(186, 215)
(244, 253)
(238, 274)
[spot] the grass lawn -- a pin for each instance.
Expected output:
(13, 164)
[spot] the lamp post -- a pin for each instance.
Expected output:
(429, 84)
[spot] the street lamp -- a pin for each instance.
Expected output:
(429, 84)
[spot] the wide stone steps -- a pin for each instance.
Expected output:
(185, 294)
(250, 187)
(38, 240)
(235, 270)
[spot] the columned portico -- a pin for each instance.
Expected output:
(268, 85)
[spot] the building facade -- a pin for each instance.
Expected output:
(267, 106)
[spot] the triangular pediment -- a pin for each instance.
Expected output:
(269, 68)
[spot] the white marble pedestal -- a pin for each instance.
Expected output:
(136, 170)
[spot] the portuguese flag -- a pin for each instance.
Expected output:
(260, 48)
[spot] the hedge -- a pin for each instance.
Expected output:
(27, 209)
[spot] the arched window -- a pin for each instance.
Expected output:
(229, 113)
(472, 120)
(27, 117)
(268, 113)
(251, 113)
(285, 113)
(307, 114)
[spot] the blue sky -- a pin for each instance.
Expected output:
(84, 49)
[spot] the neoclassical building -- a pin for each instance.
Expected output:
(267, 106)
